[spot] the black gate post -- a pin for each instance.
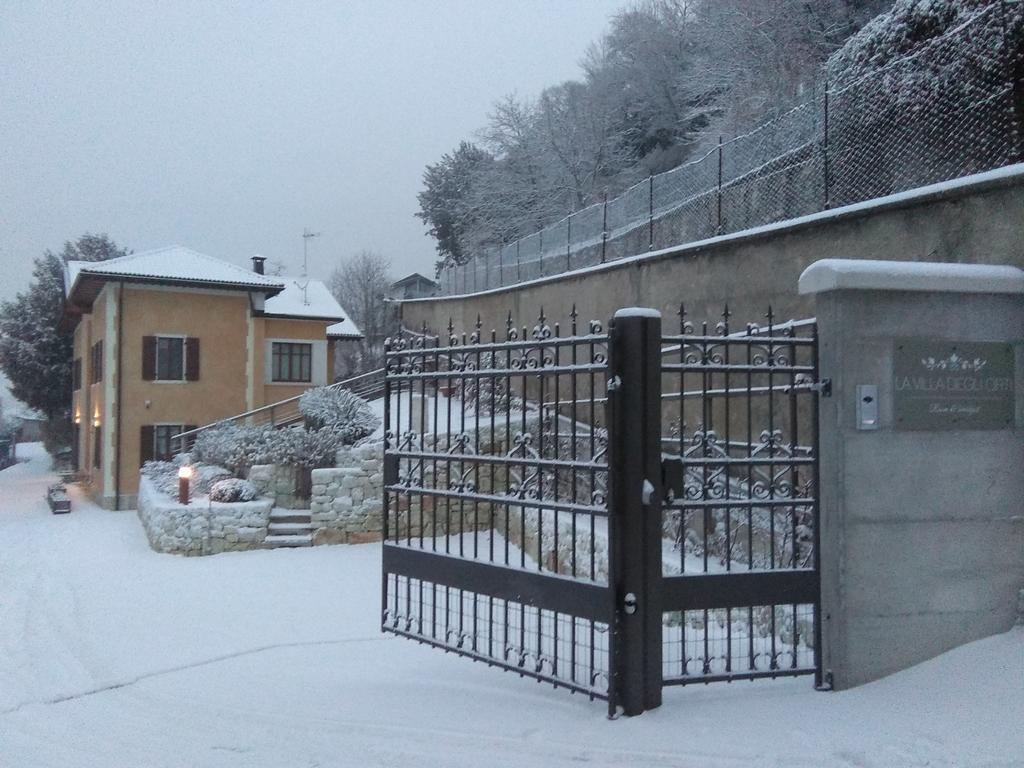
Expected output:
(635, 508)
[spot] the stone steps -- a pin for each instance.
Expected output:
(274, 541)
(289, 528)
(290, 516)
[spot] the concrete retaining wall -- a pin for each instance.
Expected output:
(975, 220)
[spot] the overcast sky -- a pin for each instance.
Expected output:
(231, 127)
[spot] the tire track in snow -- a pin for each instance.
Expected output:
(182, 668)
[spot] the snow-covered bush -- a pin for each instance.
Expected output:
(236, 447)
(232, 489)
(241, 447)
(308, 448)
(486, 393)
(339, 410)
(164, 476)
(205, 476)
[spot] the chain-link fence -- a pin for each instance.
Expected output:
(951, 108)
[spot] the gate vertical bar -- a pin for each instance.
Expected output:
(636, 495)
(819, 673)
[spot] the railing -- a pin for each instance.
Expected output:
(948, 109)
(285, 413)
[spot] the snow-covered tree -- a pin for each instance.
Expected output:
(35, 354)
(361, 285)
(445, 205)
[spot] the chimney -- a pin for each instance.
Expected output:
(257, 264)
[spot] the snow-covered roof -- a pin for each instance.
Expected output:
(344, 330)
(414, 277)
(307, 298)
(173, 264)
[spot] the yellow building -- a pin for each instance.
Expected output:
(170, 339)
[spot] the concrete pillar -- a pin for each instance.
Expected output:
(922, 507)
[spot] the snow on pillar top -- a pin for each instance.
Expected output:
(637, 312)
(876, 275)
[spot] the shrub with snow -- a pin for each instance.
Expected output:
(344, 413)
(232, 490)
(308, 448)
(164, 476)
(236, 447)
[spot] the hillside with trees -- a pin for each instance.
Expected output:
(665, 81)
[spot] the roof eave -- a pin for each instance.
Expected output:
(84, 276)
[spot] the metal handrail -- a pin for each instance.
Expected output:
(364, 384)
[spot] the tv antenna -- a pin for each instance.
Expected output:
(306, 236)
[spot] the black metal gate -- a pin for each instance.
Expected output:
(608, 512)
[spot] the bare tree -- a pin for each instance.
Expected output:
(360, 284)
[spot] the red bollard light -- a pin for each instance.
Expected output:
(184, 475)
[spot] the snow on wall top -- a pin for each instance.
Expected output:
(303, 297)
(873, 274)
(172, 263)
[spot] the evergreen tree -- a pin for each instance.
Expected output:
(443, 202)
(35, 353)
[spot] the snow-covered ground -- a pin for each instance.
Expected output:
(114, 656)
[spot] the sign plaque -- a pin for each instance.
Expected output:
(952, 385)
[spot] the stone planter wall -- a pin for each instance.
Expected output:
(348, 498)
(203, 527)
(278, 481)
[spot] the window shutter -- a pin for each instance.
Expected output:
(149, 358)
(146, 445)
(191, 359)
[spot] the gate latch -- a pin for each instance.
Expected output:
(672, 474)
(629, 603)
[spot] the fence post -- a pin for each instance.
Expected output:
(604, 227)
(568, 243)
(1013, 73)
(718, 229)
(824, 149)
(635, 509)
(650, 212)
(540, 252)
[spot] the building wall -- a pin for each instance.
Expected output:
(219, 320)
(978, 222)
(232, 372)
(267, 328)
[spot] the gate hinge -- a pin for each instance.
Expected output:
(823, 387)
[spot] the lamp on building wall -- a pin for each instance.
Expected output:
(184, 475)
(96, 419)
(78, 416)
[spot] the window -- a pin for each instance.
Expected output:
(96, 363)
(97, 447)
(170, 358)
(292, 362)
(158, 442)
(163, 449)
(76, 374)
